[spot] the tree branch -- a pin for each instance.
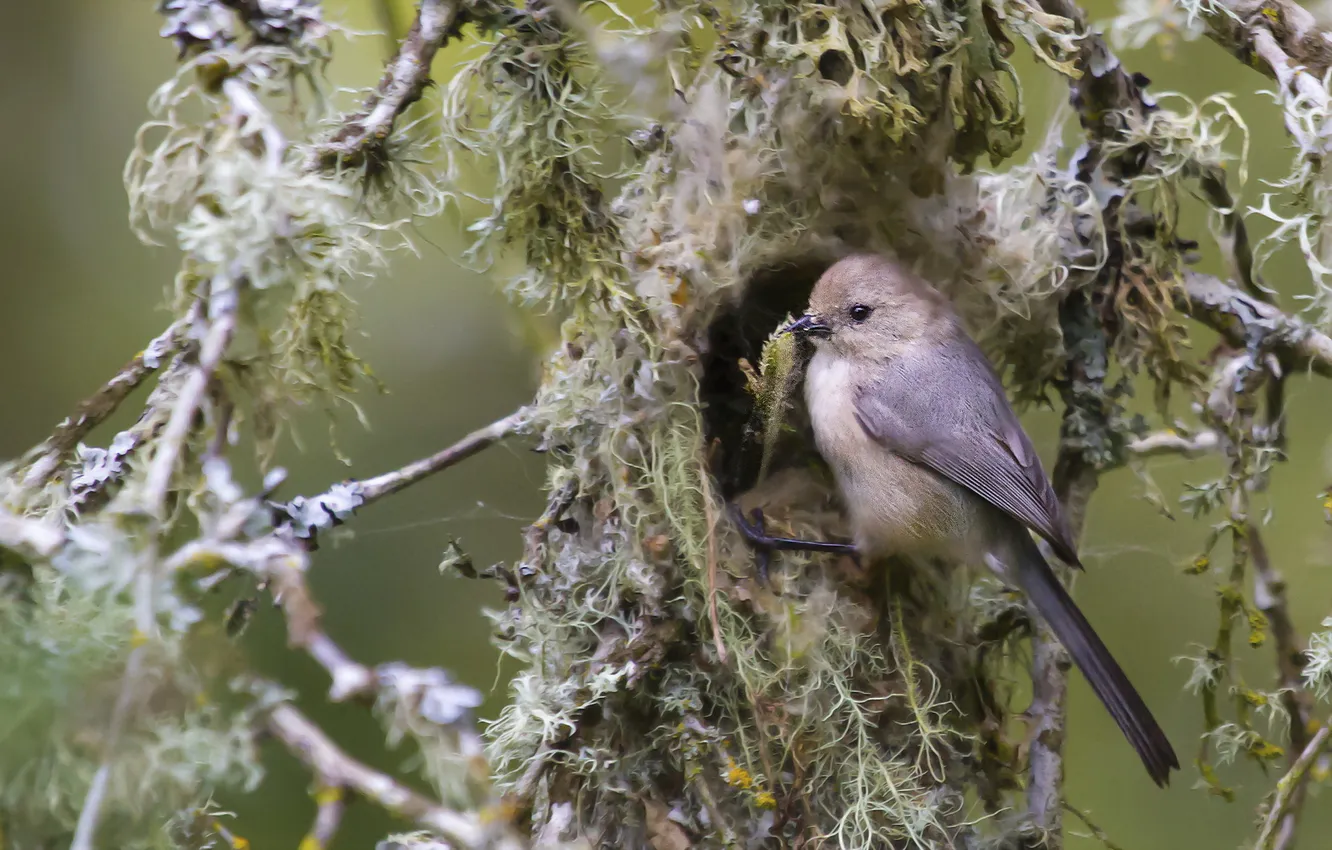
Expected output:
(1279, 38)
(1269, 595)
(362, 134)
(1243, 320)
(307, 515)
(223, 304)
(1289, 787)
(332, 802)
(336, 769)
(96, 408)
(1175, 443)
(482, 438)
(1103, 93)
(350, 678)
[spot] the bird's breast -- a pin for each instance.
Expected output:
(895, 506)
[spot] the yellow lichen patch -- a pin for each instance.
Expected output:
(736, 776)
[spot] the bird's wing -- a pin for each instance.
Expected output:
(945, 409)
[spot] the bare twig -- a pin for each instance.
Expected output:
(1097, 833)
(1175, 443)
(482, 438)
(96, 408)
(1289, 787)
(350, 678)
(405, 79)
(335, 768)
(1243, 319)
(1234, 234)
(306, 515)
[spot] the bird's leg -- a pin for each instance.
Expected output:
(765, 544)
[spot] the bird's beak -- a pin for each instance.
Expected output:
(808, 325)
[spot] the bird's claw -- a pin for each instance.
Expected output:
(755, 533)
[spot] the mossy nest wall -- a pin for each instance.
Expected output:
(667, 698)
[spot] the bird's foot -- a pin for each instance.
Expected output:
(754, 530)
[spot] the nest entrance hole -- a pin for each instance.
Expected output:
(733, 426)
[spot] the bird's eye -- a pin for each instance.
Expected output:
(860, 312)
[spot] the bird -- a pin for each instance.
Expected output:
(932, 463)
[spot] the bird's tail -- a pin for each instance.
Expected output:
(1113, 688)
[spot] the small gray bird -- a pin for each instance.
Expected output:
(932, 462)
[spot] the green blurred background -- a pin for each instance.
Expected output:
(79, 295)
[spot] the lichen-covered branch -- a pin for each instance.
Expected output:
(97, 407)
(1288, 646)
(336, 769)
(362, 135)
(1174, 443)
(308, 514)
(1244, 320)
(1289, 788)
(1278, 37)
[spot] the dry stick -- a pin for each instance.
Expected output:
(404, 80)
(1290, 787)
(223, 303)
(96, 408)
(335, 768)
(1234, 232)
(391, 482)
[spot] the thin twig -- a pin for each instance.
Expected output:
(1097, 833)
(223, 304)
(332, 802)
(362, 134)
(350, 678)
(1269, 595)
(86, 828)
(391, 482)
(1234, 232)
(1175, 443)
(308, 742)
(1289, 786)
(96, 408)
(306, 515)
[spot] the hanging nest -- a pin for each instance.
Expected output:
(667, 696)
